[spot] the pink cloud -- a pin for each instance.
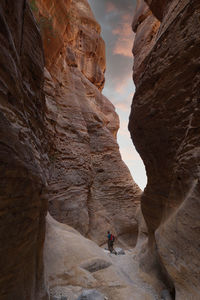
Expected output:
(123, 106)
(129, 154)
(123, 48)
(125, 37)
(110, 7)
(121, 85)
(123, 129)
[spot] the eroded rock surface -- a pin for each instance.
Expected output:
(67, 257)
(90, 187)
(22, 154)
(164, 124)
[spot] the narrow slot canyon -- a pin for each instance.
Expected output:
(64, 183)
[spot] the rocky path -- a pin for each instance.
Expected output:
(127, 268)
(78, 269)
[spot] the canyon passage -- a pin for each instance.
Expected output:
(63, 181)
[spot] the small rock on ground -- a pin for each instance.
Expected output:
(120, 251)
(94, 265)
(91, 295)
(165, 295)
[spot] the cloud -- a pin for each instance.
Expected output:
(115, 18)
(125, 36)
(125, 103)
(110, 7)
(123, 47)
(123, 130)
(122, 106)
(122, 84)
(119, 73)
(128, 155)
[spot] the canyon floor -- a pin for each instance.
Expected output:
(76, 264)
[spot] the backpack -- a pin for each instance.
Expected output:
(112, 238)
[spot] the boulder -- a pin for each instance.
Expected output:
(120, 251)
(91, 295)
(94, 265)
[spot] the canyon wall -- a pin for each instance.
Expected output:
(164, 125)
(23, 162)
(90, 188)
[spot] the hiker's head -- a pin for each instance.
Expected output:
(108, 232)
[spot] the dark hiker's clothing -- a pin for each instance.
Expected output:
(110, 243)
(109, 246)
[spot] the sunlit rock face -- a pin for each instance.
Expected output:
(90, 187)
(164, 125)
(22, 154)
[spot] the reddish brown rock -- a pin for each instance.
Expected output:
(164, 124)
(90, 187)
(146, 26)
(70, 27)
(22, 154)
(158, 7)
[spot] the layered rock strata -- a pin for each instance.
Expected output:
(164, 125)
(22, 154)
(90, 187)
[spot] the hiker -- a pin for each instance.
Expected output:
(111, 240)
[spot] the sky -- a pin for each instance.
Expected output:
(115, 18)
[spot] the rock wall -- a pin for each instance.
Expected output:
(164, 125)
(90, 187)
(22, 154)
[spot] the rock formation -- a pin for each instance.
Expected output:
(22, 154)
(90, 188)
(164, 124)
(75, 264)
(66, 139)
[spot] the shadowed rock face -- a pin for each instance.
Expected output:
(164, 125)
(22, 154)
(158, 7)
(90, 188)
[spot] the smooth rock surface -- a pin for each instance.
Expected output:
(67, 252)
(90, 187)
(23, 160)
(91, 295)
(164, 124)
(94, 265)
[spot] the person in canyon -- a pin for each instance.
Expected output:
(111, 240)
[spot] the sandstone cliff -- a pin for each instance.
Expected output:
(90, 188)
(22, 154)
(164, 124)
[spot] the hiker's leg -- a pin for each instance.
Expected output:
(109, 248)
